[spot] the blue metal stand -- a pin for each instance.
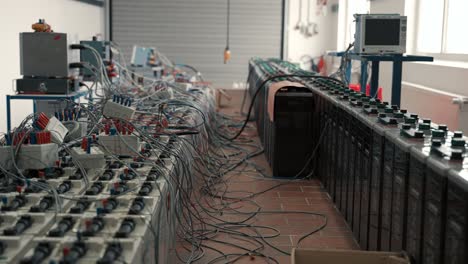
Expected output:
(375, 59)
(363, 81)
(374, 85)
(348, 70)
(45, 97)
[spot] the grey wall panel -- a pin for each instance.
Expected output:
(194, 31)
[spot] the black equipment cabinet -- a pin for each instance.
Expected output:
(289, 135)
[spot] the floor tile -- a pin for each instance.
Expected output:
(303, 195)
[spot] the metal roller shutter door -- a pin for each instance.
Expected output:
(193, 32)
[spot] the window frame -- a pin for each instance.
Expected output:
(443, 54)
(345, 16)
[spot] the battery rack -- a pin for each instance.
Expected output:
(398, 179)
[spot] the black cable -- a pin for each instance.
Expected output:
(221, 226)
(227, 52)
(342, 68)
(249, 75)
(262, 85)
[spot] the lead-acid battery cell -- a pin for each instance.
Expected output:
(375, 205)
(456, 229)
(326, 108)
(365, 158)
(327, 147)
(316, 130)
(416, 193)
(387, 185)
(389, 125)
(420, 137)
(336, 162)
(346, 125)
(357, 180)
(354, 148)
(434, 210)
(339, 172)
(401, 175)
(322, 136)
(352, 183)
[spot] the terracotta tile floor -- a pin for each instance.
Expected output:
(295, 196)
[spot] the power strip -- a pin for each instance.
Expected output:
(122, 145)
(93, 160)
(116, 110)
(32, 157)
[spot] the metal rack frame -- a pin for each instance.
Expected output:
(397, 66)
(42, 97)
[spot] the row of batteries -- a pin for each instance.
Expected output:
(400, 181)
(117, 216)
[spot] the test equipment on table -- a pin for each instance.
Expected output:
(380, 33)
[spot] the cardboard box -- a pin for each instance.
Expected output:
(318, 256)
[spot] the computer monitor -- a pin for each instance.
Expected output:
(380, 33)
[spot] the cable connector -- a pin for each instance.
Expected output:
(127, 227)
(21, 225)
(77, 65)
(73, 254)
(41, 252)
(77, 46)
(62, 227)
(112, 254)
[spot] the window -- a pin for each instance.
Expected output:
(347, 27)
(441, 29)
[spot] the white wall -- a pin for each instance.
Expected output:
(79, 20)
(297, 44)
(440, 75)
